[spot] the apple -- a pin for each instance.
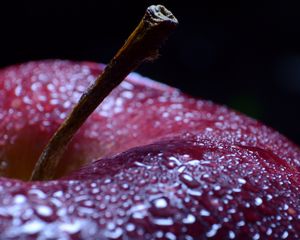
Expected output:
(149, 163)
(170, 166)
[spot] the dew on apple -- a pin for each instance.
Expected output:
(33, 227)
(181, 169)
(127, 85)
(27, 100)
(28, 213)
(139, 215)
(44, 211)
(54, 101)
(236, 190)
(194, 162)
(241, 223)
(160, 203)
(170, 236)
(127, 94)
(217, 188)
(231, 235)
(241, 181)
(204, 213)
(58, 194)
(165, 114)
(42, 77)
(56, 202)
(171, 163)
(258, 201)
(114, 234)
(174, 159)
(256, 236)
(111, 226)
(71, 228)
(162, 99)
(284, 235)
(81, 198)
(75, 96)
(189, 219)
(194, 193)
(205, 175)
(213, 231)
(269, 231)
(19, 199)
(140, 164)
(18, 90)
(188, 180)
(177, 118)
(39, 193)
(163, 221)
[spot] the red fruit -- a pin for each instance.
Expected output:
(184, 169)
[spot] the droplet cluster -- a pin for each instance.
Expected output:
(203, 171)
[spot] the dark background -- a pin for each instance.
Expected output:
(239, 53)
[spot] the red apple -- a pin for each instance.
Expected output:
(170, 166)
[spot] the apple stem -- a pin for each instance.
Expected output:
(142, 44)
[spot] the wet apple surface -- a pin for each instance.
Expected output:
(157, 163)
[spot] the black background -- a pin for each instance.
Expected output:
(239, 53)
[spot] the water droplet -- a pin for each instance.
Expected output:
(33, 227)
(70, 227)
(130, 227)
(256, 236)
(258, 201)
(194, 193)
(231, 235)
(114, 234)
(160, 203)
(189, 219)
(213, 231)
(163, 221)
(127, 94)
(159, 234)
(269, 197)
(284, 235)
(127, 85)
(139, 164)
(193, 162)
(170, 236)
(44, 211)
(241, 224)
(171, 162)
(181, 169)
(208, 129)
(58, 194)
(138, 211)
(40, 194)
(189, 180)
(27, 214)
(241, 181)
(204, 213)
(18, 199)
(18, 90)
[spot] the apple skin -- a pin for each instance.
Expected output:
(170, 166)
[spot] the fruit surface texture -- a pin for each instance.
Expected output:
(150, 163)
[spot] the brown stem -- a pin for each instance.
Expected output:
(142, 44)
